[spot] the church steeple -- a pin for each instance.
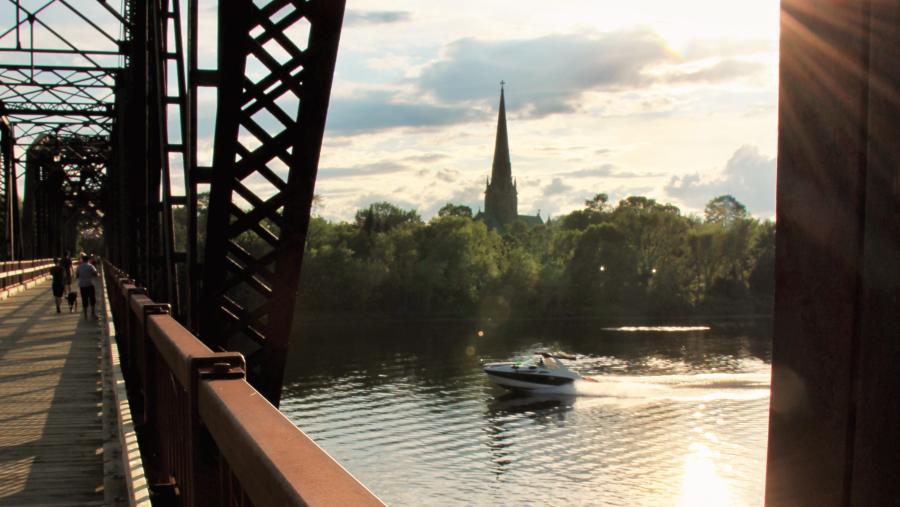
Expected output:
(501, 171)
(500, 196)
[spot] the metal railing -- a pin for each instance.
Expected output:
(14, 274)
(207, 437)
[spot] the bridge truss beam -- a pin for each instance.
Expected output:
(273, 92)
(136, 94)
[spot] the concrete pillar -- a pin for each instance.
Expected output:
(835, 414)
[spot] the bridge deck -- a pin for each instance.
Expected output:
(51, 422)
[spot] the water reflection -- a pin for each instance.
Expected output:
(677, 418)
(538, 403)
(507, 413)
(701, 485)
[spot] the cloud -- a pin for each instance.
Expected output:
(556, 187)
(355, 18)
(426, 158)
(749, 176)
(470, 194)
(549, 73)
(724, 70)
(448, 175)
(363, 201)
(378, 110)
(546, 75)
(347, 189)
(603, 170)
(728, 47)
(385, 167)
(607, 171)
(444, 175)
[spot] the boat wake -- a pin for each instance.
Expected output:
(657, 329)
(626, 389)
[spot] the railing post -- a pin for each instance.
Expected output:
(205, 460)
(129, 290)
(147, 359)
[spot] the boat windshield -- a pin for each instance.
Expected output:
(540, 362)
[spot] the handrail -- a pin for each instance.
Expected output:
(15, 275)
(207, 436)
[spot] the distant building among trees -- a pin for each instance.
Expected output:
(501, 199)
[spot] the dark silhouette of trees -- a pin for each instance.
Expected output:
(724, 210)
(384, 216)
(455, 210)
(636, 259)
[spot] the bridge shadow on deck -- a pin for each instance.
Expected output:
(51, 436)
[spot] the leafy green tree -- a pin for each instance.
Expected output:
(597, 203)
(734, 245)
(704, 259)
(384, 216)
(595, 212)
(460, 257)
(639, 258)
(655, 232)
(601, 266)
(762, 277)
(724, 210)
(455, 210)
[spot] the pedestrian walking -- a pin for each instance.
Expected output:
(66, 263)
(85, 274)
(56, 273)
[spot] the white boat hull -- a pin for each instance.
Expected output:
(541, 375)
(526, 384)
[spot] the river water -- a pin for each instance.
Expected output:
(678, 417)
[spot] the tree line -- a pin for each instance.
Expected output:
(634, 259)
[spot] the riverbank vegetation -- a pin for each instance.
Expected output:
(634, 259)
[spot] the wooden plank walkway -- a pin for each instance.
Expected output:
(51, 423)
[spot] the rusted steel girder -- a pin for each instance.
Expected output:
(10, 225)
(64, 192)
(273, 56)
(273, 92)
(141, 233)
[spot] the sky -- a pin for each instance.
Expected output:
(672, 100)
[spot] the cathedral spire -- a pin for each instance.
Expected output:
(501, 171)
(501, 197)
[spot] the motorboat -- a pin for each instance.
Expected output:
(542, 371)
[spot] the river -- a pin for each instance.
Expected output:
(678, 417)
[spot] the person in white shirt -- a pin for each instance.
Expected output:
(85, 274)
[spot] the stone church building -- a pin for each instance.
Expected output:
(501, 200)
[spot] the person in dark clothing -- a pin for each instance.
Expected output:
(85, 274)
(66, 263)
(57, 274)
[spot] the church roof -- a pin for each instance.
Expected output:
(531, 220)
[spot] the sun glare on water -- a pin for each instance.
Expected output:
(702, 485)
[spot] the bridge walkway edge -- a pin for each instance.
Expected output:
(59, 431)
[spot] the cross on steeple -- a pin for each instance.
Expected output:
(502, 82)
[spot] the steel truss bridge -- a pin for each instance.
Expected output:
(102, 113)
(101, 109)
